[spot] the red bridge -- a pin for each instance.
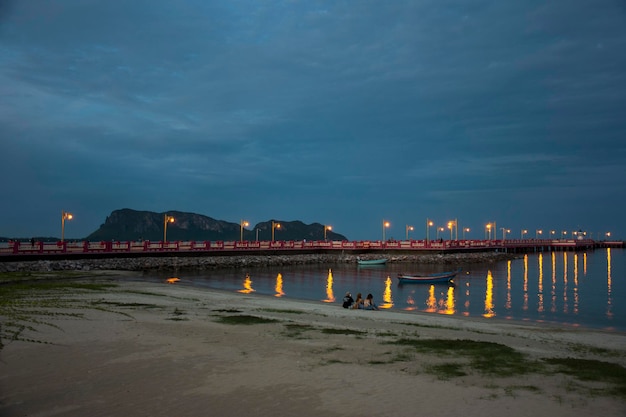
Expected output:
(24, 249)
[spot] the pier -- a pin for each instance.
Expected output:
(20, 250)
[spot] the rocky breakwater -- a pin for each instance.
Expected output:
(215, 262)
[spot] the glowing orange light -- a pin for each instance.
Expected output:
(450, 301)
(278, 288)
(330, 297)
(489, 306)
(247, 285)
(387, 298)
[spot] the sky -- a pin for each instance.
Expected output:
(345, 113)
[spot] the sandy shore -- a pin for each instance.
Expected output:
(150, 349)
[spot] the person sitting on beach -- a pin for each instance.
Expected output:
(348, 300)
(358, 303)
(369, 304)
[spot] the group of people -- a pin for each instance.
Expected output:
(359, 303)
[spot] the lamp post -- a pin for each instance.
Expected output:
(608, 234)
(537, 233)
(429, 224)
(552, 233)
(563, 233)
(274, 226)
(522, 233)
(64, 216)
(488, 230)
(327, 228)
(408, 228)
(465, 229)
(242, 224)
(504, 232)
(452, 226)
(439, 229)
(386, 224)
(257, 234)
(166, 219)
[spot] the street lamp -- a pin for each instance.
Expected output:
(465, 229)
(552, 233)
(64, 216)
(608, 234)
(408, 228)
(504, 232)
(537, 233)
(166, 219)
(327, 228)
(429, 224)
(274, 226)
(439, 229)
(522, 233)
(488, 230)
(386, 224)
(242, 224)
(451, 225)
(563, 233)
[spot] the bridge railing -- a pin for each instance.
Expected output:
(34, 248)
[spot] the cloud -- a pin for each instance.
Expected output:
(209, 105)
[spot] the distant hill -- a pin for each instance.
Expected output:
(128, 224)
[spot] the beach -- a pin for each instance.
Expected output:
(160, 349)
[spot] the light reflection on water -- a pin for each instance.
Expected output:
(330, 296)
(582, 288)
(279, 285)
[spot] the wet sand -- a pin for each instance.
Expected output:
(150, 349)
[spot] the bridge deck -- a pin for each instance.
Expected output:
(84, 248)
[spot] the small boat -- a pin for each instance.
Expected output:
(381, 261)
(435, 278)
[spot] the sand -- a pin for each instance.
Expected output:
(158, 349)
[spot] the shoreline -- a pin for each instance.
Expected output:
(160, 349)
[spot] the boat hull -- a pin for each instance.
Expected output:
(364, 262)
(439, 278)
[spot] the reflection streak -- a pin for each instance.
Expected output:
(431, 302)
(489, 297)
(450, 301)
(278, 288)
(575, 283)
(540, 285)
(330, 297)
(508, 304)
(247, 285)
(411, 302)
(565, 299)
(609, 301)
(525, 304)
(553, 292)
(387, 298)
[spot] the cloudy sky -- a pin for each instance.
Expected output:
(338, 112)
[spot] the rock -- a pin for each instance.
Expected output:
(168, 263)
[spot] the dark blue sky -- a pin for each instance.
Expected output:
(339, 112)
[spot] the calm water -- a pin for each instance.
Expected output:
(581, 289)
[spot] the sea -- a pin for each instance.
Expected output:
(572, 289)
